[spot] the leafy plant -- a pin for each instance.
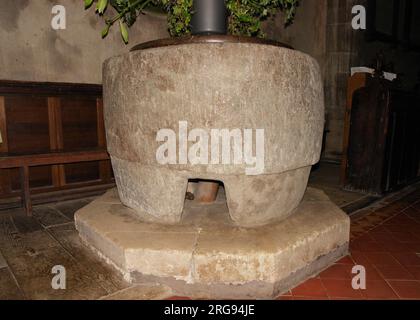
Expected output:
(244, 16)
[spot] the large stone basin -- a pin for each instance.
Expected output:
(205, 84)
(213, 83)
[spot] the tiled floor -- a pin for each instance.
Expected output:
(30, 247)
(326, 176)
(386, 242)
(385, 239)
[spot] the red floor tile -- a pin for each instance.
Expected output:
(406, 289)
(407, 258)
(310, 298)
(413, 246)
(378, 229)
(395, 273)
(346, 260)
(366, 246)
(405, 236)
(381, 237)
(394, 246)
(414, 227)
(401, 219)
(310, 288)
(337, 271)
(388, 253)
(372, 273)
(412, 213)
(365, 238)
(415, 271)
(416, 206)
(382, 259)
(396, 228)
(378, 289)
(341, 288)
(360, 258)
(400, 205)
(388, 211)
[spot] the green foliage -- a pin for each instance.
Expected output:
(245, 16)
(88, 3)
(179, 16)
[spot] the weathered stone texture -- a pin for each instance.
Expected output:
(214, 86)
(206, 255)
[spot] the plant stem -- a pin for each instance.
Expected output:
(128, 8)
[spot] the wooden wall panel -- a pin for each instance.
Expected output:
(3, 126)
(5, 173)
(80, 131)
(383, 149)
(27, 129)
(56, 139)
(28, 132)
(38, 177)
(79, 123)
(80, 172)
(105, 169)
(355, 82)
(52, 117)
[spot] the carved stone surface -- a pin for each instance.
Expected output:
(214, 86)
(207, 256)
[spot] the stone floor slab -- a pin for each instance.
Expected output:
(3, 263)
(49, 216)
(208, 254)
(68, 208)
(9, 289)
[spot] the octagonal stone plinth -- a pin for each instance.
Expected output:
(207, 256)
(213, 83)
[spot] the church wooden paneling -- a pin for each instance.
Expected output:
(383, 150)
(56, 139)
(5, 184)
(105, 170)
(80, 131)
(28, 132)
(39, 118)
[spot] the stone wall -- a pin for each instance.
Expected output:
(346, 48)
(322, 28)
(403, 60)
(307, 33)
(31, 50)
(342, 53)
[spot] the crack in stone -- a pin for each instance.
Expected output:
(192, 274)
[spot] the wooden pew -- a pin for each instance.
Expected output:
(23, 162)
(41, 126)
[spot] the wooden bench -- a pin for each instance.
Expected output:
(23, 162)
